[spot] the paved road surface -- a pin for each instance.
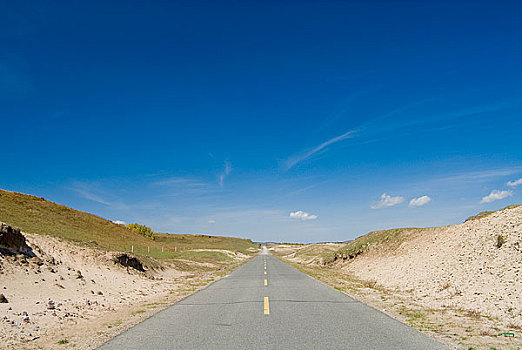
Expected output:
(292, 311)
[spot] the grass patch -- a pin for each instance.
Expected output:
(63, 341)
(488, 213)
(115, 324)
(204, 256)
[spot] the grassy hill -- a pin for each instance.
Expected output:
(37, 215)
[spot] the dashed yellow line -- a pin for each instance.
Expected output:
(266, 282)
(267, 307)
(265, 272)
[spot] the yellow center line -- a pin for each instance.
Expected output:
(266, 282)
(265, 272)
(267, 307)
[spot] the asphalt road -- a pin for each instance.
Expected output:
(288, 311)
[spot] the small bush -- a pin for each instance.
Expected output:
(369, 284)
(63, 341)
(418, 314)
(473, 314)
(446, 285)
(142, 230)
(500, 241)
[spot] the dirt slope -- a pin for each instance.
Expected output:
(475, 266)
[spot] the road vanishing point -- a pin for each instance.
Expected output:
(267, 304)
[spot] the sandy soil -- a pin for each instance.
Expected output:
(80, 297)
(457, 266)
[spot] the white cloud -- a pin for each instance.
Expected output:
(419, 202)
(301, 215)
(291, 162)
(224, 174)
(495, 195)
(119, 222)
(211, 221)
(514, 183)
(387, 201)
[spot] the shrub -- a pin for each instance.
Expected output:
(500, 241)
(142, 230)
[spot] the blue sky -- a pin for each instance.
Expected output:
(292, 121)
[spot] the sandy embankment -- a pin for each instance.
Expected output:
(79, 296)
(459, 266)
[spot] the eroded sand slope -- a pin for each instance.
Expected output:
(60, 292)
(461, 266)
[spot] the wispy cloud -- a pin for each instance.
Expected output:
(177, 186)
(371, 126)
(97, 192)
(387, 201)
(482, 175)
(88, 191)
(119, 222)
(225, 173)
(180, 181)
(293, 161)
(301, 190)
(301, 215)
(514, 183)
(419, 202)
(496, 195)
(387, 123)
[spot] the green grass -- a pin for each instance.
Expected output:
(115, 324)
(488, 213)
(386, 239)
(63, 341)
(37, 215)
